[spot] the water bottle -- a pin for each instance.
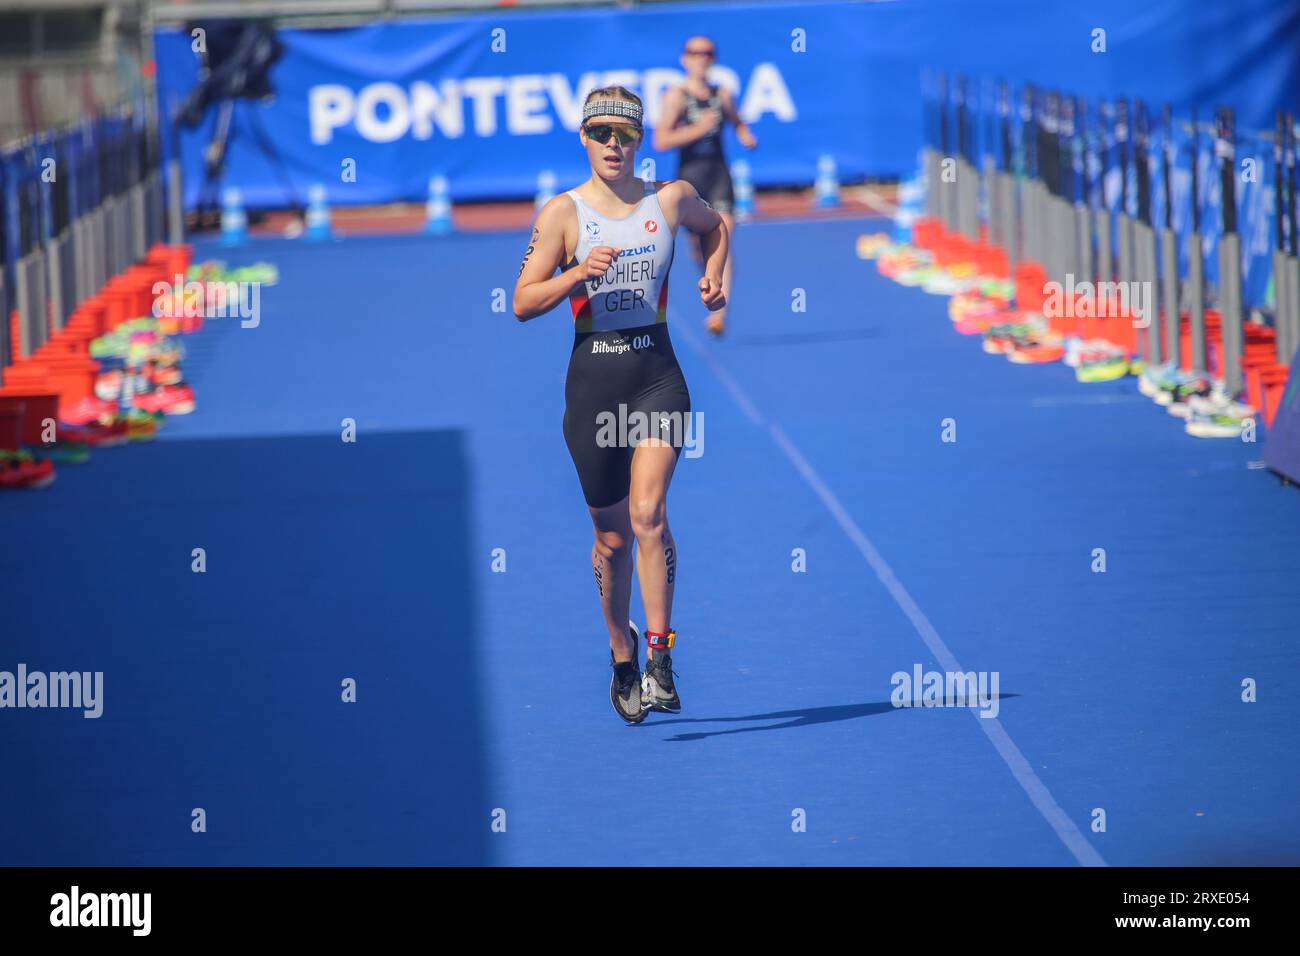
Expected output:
(743, 184)
(437, 211)
(827, 188)
(318, 214)
(234, 222)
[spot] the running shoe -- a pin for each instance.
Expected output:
(63, 452)
(1075, 349)
(873, 246)
(941, 282)
(167, 400)
(1034, 351)
(658, 691)
(1214, 425)
(95, 434)
(972, 303)
(1218, 402)
(625, 683)
(110, 345)
(915, 273)
(88, 410)
(18, 469)
(993, 288)
(1156, 377)
(140, 425)
(1168, 385)
(975, 324)
(165, 375)
(1104, 367)
(262, 273)
(1175, 400)
(1002, 337)
(894, 264)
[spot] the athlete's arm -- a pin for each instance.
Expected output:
(668, 135)
(701, 218)
(743, 132)
(538, 289)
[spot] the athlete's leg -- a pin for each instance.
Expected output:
(611, 560)
(652, 471)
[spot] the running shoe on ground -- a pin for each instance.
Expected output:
(658, 689)
(915, 273)
(1156, 377)
(63, 452)
(167, 400)
(165, 375)
(1168, 384)
(88, 410)
(873, 246)
(939, 282)
(95, 434)
(1104, 367)
(1218, 402)
(625, 682)
(975, 324)
(1001, 338)
(971, 303)
(140, 425)
(1035, 351)
(1215, 425)
(1176, 399)
(18, 469)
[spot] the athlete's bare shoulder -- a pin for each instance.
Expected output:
(558, 208)
(675, 195)
(559, 217)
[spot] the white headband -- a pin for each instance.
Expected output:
(612, 108)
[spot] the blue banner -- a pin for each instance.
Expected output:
(492, 100)
(491, 103)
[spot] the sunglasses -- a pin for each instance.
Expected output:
(601, 132)
(709, 53)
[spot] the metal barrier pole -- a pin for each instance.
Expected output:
(1293, 290)
(54, 276)
(1229, 253)
(1006, 180)
(1007, 185)
(1230, 306)
(29, 279)
(1169, 292)
(1286, 272)
(175, 213)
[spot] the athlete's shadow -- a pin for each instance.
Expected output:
(806, 717)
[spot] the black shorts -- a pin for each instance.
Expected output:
(712, 180)
(622, 387)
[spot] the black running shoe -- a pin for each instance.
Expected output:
(658, 692)
(625, 684)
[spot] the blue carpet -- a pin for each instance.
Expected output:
(483, 693)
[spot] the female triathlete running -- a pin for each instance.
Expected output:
(626, 402)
